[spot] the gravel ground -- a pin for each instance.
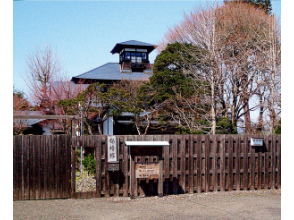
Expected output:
(262, 204)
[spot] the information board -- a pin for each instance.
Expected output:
(147, 170)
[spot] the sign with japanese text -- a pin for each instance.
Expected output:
(112, 149)
(146, 170)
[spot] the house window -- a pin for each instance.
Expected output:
(133, 57)
(139, 57)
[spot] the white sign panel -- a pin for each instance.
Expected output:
(256, 142)
(112, 149)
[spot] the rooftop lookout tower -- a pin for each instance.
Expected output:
(134, 56)
(133, 65)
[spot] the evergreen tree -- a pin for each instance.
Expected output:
(265, 5)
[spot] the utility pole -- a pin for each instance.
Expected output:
(82, 133)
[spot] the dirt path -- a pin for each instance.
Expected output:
(263, 204)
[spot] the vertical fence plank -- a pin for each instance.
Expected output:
(50, 168)
(191, 164)
(140, 182)
(135, 138)
(245, 159)
(61, 160)
(132, 173)
(64, 176)
(259, 164)
(160, 179)
(166, 165)
(266, 165)
(207, 165)
(68, 166)
(199, 164)
(21, 169)
(37, 177)
(214, 161)
(183, 163)
(125, 170)
(73, 169)
(278, 144)
(238, 161)
(222, 162)
(42, 166)
(26, 170)
(252, 170)
(58, 166)
(32, 167)
(230, 162)
(98, 166)
(273, 160)
(15, 168)
(175, 164)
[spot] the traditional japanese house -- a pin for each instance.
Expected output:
(133, 64)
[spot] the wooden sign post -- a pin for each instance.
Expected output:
(149, 170)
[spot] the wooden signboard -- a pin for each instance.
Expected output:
(150, 170)
(112, 149)
(147, 170)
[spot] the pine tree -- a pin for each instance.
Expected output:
(265, 5)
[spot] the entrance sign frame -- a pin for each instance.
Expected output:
(151, 148)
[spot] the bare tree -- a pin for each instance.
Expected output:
(229, 53)
(43, 67)
(199, 29)
(272, 70)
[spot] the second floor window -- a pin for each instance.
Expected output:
(133, 57)
(127, 55)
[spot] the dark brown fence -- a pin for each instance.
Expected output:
(41, 167)
(191, 164)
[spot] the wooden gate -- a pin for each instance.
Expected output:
(41, 167)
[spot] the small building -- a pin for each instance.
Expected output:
(133, 64)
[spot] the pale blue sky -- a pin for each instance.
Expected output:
(83, 33)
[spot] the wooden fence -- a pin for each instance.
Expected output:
(191, 164)
(41, 167)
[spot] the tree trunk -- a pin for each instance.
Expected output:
(213, 107)
(247, 116)
(260, 117)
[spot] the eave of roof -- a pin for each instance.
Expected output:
(111, 72)
(132, 43)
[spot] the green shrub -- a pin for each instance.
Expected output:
(89, 163)
(278, 128)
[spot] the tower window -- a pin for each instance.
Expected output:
(144, 56)
(127, 55)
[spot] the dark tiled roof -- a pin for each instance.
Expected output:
(134, 44)
(111, 71)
